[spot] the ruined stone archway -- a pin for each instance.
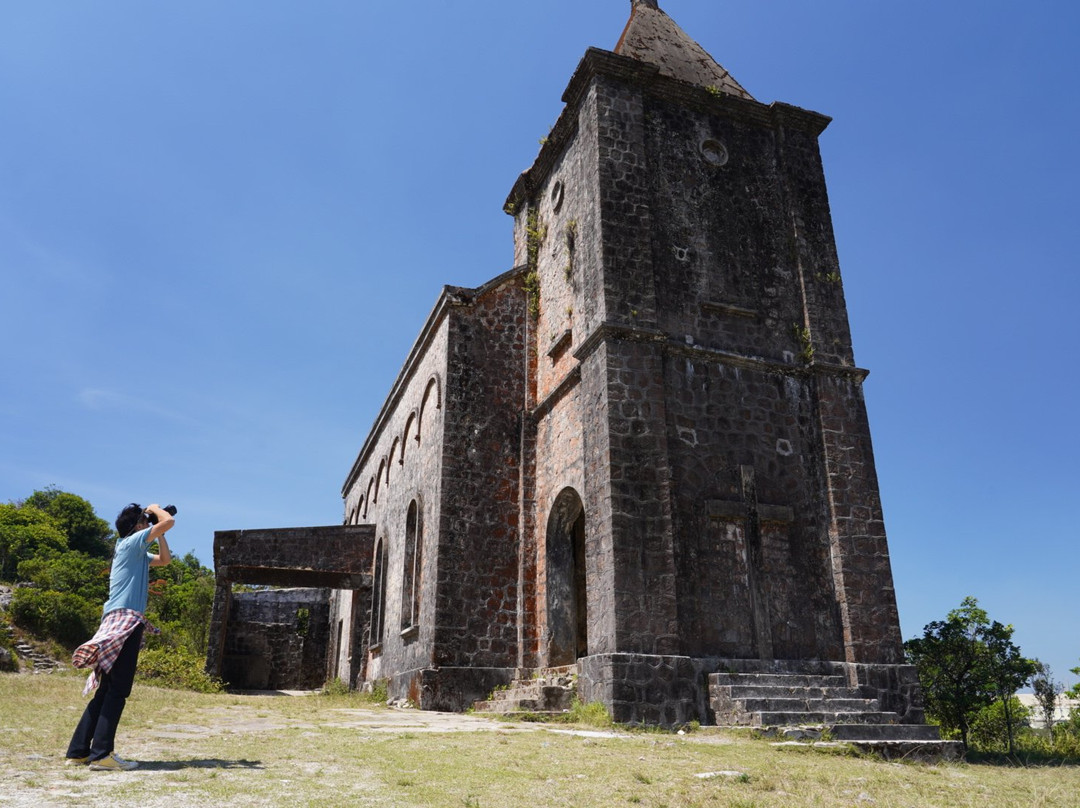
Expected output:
(567, 614)
(334, 557)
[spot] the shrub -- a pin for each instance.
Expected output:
(335, 687)
(9, 660)
(593, 714)
(68, 618)
(989, 732)
(72, 572)
(177, 669)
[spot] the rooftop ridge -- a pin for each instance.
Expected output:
(651, 36)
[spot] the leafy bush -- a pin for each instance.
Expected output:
(68, 618)
(180, 601)
(376, 695)
(334, 687)
(26, 533)
(72, 572)
(9, 662)
(176, 668)
(988, 730)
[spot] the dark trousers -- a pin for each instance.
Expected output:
(97, 728)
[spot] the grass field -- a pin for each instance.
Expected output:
(216, 750)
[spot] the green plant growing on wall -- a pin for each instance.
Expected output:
(532, 291)
(570, 234)
(714, 91)
(303, 621)
(806, 350)
(535, 234)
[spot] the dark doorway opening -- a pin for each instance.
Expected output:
(567, 610)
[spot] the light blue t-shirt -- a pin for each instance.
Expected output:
(130, 576)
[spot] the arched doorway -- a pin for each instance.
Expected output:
(567, 614)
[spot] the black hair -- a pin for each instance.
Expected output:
(128, 518)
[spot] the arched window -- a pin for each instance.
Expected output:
(411, 580)
(432, 396)
(378, 595)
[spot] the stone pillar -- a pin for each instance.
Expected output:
(219, 624)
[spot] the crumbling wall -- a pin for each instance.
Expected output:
(278, 640)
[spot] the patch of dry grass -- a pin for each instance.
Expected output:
(251, 750)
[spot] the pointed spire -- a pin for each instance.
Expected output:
(652, 36)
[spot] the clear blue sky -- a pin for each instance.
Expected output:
(222, 225)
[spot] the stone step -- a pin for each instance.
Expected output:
(546, 691)
(794, 719)
(552, 698)
(531, 690)
(754, 667)
(555, 670)
(777, 680)
(520, 706)
(884, 732)
(805, 705)
(763, 691)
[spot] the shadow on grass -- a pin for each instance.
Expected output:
(198, 763)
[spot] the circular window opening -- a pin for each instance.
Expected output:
(557, 195)
(714, 152)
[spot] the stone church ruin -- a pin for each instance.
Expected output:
(642, 455)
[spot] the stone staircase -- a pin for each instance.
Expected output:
(544, 692)
(820, 705)
(41, 662)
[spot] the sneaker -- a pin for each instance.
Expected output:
(77, 761)
(113, 763)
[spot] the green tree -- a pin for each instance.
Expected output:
(1046, 693)
(1074, 691)
(25, 533)
(1007, 670)
(75, 517)
(72, 572)
(181, 598)
(965, 664)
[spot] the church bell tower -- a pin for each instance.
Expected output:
(692, 379)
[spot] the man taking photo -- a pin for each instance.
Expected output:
(114, 650)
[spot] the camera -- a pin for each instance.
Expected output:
(152, 518)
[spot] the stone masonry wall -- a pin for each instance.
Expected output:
(722, 419)
(477, 588)
(567, 267)
(402, 465)
(277, 640)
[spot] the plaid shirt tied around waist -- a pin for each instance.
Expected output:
(101, 650)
